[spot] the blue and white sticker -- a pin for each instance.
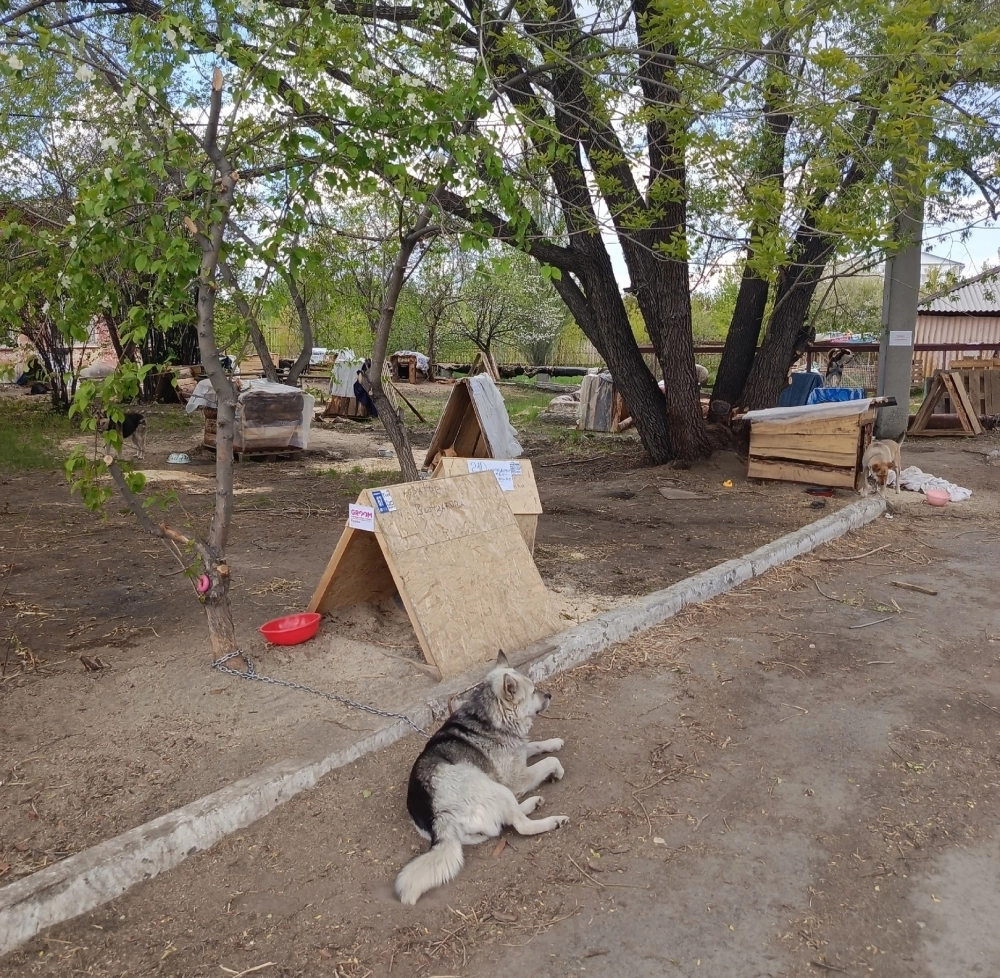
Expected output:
(383, 501)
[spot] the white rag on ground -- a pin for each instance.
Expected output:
(916, 480)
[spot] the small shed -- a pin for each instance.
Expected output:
(269, 417)
(819, 444)
(968, 313)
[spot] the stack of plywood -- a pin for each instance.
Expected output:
(819, 444)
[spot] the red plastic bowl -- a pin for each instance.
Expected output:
(291, 629)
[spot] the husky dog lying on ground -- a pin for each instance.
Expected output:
(464, 786)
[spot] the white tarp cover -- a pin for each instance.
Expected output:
(811, 412)
(423, 363)
(345, 372)
(252, 434)
(492, 413)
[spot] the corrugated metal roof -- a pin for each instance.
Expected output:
(979, 295)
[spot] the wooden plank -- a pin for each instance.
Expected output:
(821, 426)
(811, 475)
(966, 412)
(993, 396)
(845, 459)
(920, 419)
(825, 443)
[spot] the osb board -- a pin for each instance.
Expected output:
(460, 565)
(528, 525)
(357, 572)
(523, 499)
(817, 475)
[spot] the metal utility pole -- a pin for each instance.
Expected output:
(900, 297)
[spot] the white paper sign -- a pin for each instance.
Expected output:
(900, 337)
(500, 469)
(515, 468)
(361, 517)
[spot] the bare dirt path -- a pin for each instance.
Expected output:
(800, 778)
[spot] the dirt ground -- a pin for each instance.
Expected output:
(87, 755)
(799, 778)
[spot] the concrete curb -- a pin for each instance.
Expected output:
(97, 875)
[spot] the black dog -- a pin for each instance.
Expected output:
(133, 426)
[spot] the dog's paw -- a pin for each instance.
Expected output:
(532, 804)
(557, 772)
(556, 744)
(561, 820)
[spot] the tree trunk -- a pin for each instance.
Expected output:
(431, 343)
(741, 343)
(305, 355)
(219, 612)
(253, 327)
(786, 339)
(666, 307)
(602, 316)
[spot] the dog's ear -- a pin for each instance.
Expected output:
(509, 687)
(502, 660)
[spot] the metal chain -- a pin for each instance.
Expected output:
(251, 673)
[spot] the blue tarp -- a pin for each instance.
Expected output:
(801, 388)
(826, 395)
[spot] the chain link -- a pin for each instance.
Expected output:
(251, 673)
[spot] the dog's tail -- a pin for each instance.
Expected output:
(441, 864)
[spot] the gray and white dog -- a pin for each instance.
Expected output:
(464, 786)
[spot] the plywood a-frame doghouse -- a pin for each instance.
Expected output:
(452, 551)
(474, 424)
(522, 498)
(947, 383)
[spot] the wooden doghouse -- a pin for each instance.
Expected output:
(404, 368)
(474, 424)
(819, 444)
(521, 494)
(451, 550)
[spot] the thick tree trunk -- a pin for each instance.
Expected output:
(665, 302)
(787, 336)
(602, 316)
(741, 344)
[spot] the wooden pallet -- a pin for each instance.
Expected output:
(983, 386)
(947, 383)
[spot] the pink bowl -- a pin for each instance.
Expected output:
(291, 629)
(937, 497)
